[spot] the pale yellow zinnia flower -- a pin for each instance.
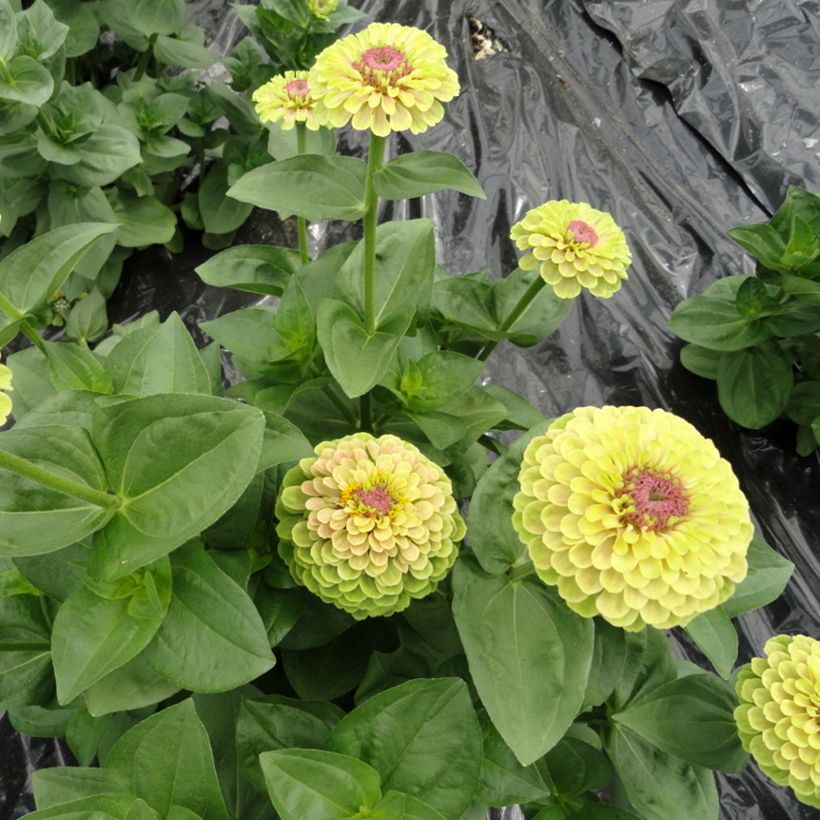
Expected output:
(368, 524)
(5, 400)
(633, 515)
(778, 717)
(573, 246)
(287, 97)
(386, 78)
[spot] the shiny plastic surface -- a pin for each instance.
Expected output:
(681, 117)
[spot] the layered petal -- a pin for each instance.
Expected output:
(5, 400)
(287, 98)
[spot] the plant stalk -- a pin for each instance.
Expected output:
(374, 163)
(514, 315)
(301, 223)
(518, 572)
(25, 468)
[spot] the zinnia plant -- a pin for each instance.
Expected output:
(263, 601)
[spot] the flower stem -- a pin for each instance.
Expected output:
(34, 337)
(27, 469)
(374, 163)
(142, 65)
(518, 572)
(365, 420)
(514, 315)
(301, 223)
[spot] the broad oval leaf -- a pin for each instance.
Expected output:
(424, 172)
(714, 323)
(167, 759)
(25, 661)
(716, 637)
(769, 572)
(212, 638)
(178, 463)
(312, 783)
(529, 656)
(262, 269)
(26, 81)
(424, 739)
(313, 186)
(104, 157)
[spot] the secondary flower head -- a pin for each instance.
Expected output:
(368, 524)
(5, 401)
(574, 246)
(386, 78)
(778, 717)
(287, 97)
(634, 515)
(322, 9)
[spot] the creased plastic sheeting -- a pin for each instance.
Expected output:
(681, 117)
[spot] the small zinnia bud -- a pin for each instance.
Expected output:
(5, 400)
(573, 246)
(368, 524)
(634, 515)
(386, 78)
(287, 97)
(778, 717)
(322, 9)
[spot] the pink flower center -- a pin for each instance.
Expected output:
(657, 499)
(377, 498)
(583, 232)
(382, 66)
(297, 88)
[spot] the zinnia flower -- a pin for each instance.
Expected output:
(634, 516)
(5, 401)
(385, 78)
(369, 524)
(779, 713)
(287, 97)
(575, 246)
(322, 9)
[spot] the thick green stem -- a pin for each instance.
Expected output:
(374, 163)
(518, 572)
(34, 336)
(27, 469)
(301, 223)
(142, 65)
(514, 315)
(365, 419)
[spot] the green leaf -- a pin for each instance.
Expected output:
(283, 442)
(52, 787)
(178, 463)
(262, 269)
(716, 637)
(804, 403)
(356, 359)
(283, 144)
(8, 31)
(25, 661)
(24, 80)
(185, 53)
(576, 767)
(72, 367)
(795, 318)
(690, 718)
(167, 760)
(542, 316)
(311, 783)
(658, 785)
(423, 738)
(753, 299)
(145, 16)
(701, 361)
(405, 263)
(132, 686)
(105, 156)
(529, 656)
(714, 323)
(489, 519)
(82, 23)
(108, 806)
(608, 661)
(754, 385)
(424, 172)
(649, 663)
(88, 319)
(32, 273)
(762, 241)
(158, 359)
(437, 379)
(312, 186)
(276, 722)
(504, 781)
(769, 572)
(35, 519)
(220, 213)
(144, 220)
(93, 636)
(212, 638)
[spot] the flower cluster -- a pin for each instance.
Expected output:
(779, 713)
(322, 9)
(633, 515)
(573, 246)
(386, 78)
(5, 401)
(287, 97)
(368, 524)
